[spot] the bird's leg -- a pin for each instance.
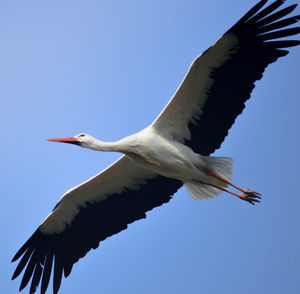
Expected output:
(212, 174)
(247, 195)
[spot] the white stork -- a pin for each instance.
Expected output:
(173, 151)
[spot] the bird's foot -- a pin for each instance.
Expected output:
(249, 196)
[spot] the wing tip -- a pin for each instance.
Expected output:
(257, 15)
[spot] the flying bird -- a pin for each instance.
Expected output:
(173, 151)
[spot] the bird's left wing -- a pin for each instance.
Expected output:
(88, 214)
(220, 80)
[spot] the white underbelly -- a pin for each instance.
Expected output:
(179, 163)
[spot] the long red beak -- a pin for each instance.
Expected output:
(65, 140)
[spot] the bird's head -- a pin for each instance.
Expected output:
(83, 140)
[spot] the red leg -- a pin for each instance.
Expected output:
(246, 191)
(247, 195)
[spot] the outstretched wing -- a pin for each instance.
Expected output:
(218, 83)
(88, 214)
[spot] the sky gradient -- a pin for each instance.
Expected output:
(108, 68)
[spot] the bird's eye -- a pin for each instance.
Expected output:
(82, 135)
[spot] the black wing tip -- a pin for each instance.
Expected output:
(14, 276)
(26, 245)
(266, 25)
(15, 258)
(250, 13)
(257, 15)
(293, 6)
(20, 252)
(32, 256)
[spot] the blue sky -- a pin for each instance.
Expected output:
(108, 68)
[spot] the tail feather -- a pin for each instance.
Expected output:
(222, 166)
(201, 192)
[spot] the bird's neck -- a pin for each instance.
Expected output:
(106, 146)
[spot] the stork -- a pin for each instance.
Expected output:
(173, 151)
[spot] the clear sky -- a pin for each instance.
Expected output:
(108, 68)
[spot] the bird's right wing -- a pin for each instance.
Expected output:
(219, 81)
(88, 214)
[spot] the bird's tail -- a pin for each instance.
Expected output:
(221, 166)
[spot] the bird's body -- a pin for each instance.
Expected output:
(163, 156)
(173, 151)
